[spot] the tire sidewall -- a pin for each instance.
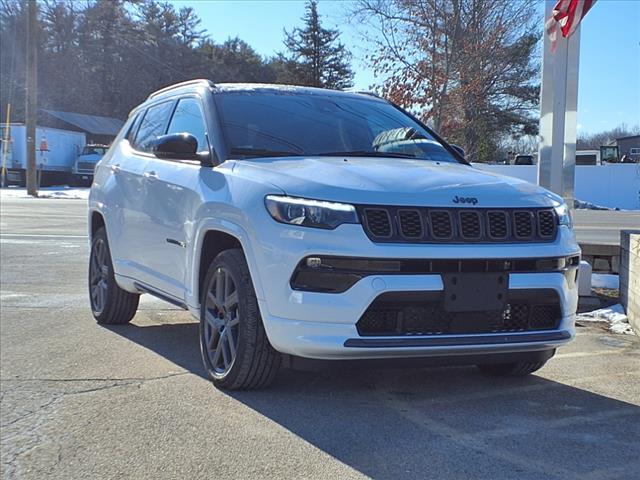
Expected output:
(245, 315)
(101, 235)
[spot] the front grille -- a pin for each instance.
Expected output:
(423, 313)
(87, 167)
(458, 225)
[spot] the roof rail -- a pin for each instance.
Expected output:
(196, 81)
(368, 92)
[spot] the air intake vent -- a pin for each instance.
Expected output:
(378, 222)
(523, 224)
(498, 225)
(441, 225)
(470, 227)
(410, 223)
(546, 224)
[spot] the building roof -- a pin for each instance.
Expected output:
(89, 123)
(628, 138)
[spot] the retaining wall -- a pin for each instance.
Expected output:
(612, 185)
(630, 275)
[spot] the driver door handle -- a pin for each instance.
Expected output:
(115, 168)
(150, 175)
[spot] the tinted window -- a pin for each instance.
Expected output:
(188, 118)
(300, 123)
(152, 126)
(134, 127)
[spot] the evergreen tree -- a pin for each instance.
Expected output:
(317, 59)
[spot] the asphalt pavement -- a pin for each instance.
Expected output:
(78, 400)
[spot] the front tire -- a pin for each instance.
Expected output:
(110, 304)
(235, 349)
(516, 369)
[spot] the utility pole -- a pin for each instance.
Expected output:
(32, 94)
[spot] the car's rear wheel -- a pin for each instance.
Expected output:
(235, 350)
(515, 369)
(109, 303)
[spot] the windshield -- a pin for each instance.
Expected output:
(94, 150)
(261, 124)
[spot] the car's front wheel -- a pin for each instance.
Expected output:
(235, 349)
(109, 303)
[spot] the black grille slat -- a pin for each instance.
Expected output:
(498, 224)
(470, 225)
(523, 224)
(546, 224)
(441, 224)
(410, 223)
(378, 222)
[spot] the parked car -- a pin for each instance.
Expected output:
(86, 163)
(269, 214)
(523, 160)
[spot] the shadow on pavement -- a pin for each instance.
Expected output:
(436, 422)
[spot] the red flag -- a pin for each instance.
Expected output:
(567, 15)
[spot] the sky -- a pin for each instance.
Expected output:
(609, 80)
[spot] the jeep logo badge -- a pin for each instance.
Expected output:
(471, 200)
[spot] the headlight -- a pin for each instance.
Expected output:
(310, 213)
(564, 215)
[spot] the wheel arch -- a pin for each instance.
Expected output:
(97, 221)
(214, 241)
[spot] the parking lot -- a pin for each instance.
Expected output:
(80, 400)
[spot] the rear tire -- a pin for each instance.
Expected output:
(516, 369)
(110, 304)
(235, 349)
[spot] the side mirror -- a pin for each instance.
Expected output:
(458, 149)
(181, 146)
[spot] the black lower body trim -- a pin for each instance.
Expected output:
(162, 296)
(462, 341)
(391, 363)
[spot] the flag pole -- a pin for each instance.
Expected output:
(5, 146)
(558, 111)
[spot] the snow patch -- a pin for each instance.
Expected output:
(47, 192)
(613, 315)
(605, 280)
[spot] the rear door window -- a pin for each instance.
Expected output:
(153, 125)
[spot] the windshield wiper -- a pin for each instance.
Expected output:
(262, 152)
(365, 153)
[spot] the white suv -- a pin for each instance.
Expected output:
(300, 222)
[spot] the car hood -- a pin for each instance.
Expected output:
(90, 157)
(393, 181)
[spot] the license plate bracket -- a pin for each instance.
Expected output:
(475, 292)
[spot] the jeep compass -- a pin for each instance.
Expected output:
(306, 223)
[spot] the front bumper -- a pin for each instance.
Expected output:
(323, 325)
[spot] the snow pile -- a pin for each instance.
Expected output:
(47, 192)
(605, 280)
(613, 315)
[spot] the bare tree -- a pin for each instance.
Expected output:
(467, 66)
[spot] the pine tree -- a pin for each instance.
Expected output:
(318, 59)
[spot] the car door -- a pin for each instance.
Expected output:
(139, 245)
(172, 199)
